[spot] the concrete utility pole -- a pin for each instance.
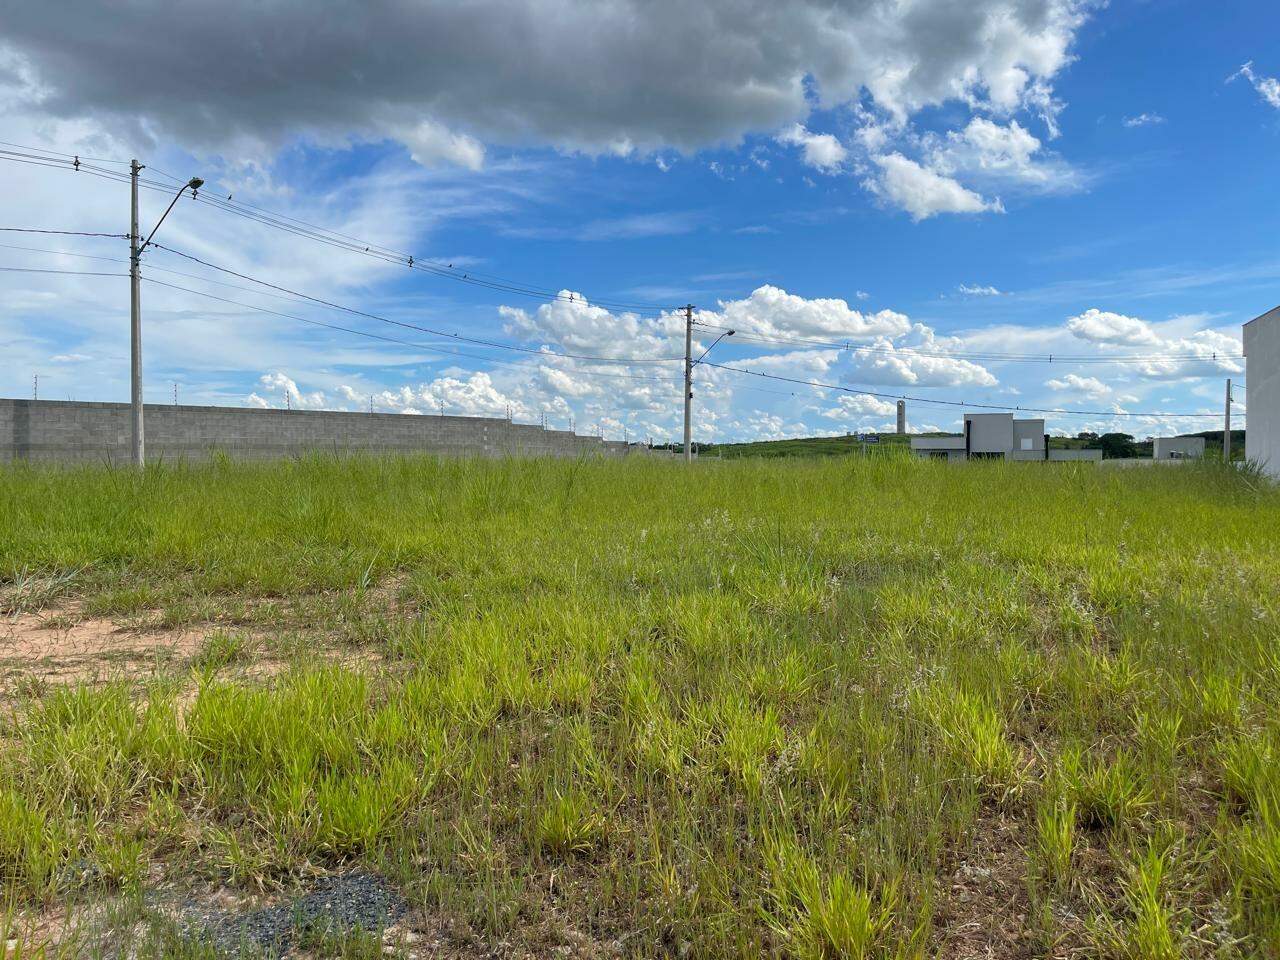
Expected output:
(1226, 428)
(135, 319)
(135, 299)
(688, 383)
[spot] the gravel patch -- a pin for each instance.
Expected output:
(337, 904)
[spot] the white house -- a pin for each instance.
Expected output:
(997, 436)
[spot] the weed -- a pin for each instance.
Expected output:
(569, 823)
(1055, 842)
(222, 649)
(1108, 795)
(818, 918)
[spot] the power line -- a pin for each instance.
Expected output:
(303, 298)
(58, 153)
(479, 341)
(64, 233)
(328, 236)
(374, 336)
(989, 357)
(412, 326)
(948, 403)
(74, 273)
(63, 253)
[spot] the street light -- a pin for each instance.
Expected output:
(729, 333)
(135, 302)
(689, 364)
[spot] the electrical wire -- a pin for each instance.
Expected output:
(61, 253)
(496, 344)
(64, 233)
(73, 273)
(375, 336)
(58, 153)
(985, 356)
(948, 403)
(334, 238)
(292, 297)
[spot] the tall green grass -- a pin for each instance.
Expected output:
(743, 708)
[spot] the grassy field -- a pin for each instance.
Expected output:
(854, 707)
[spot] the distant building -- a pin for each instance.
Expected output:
(1262, 391)
(1177, 448)
(902, 417)
(997, 436)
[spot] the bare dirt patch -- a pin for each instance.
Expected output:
(61, 647)
(64, 646)
(985, 910)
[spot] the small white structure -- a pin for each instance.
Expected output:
(1177, 448)
(1262, 391)
(997, 436)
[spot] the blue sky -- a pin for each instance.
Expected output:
(932, 188)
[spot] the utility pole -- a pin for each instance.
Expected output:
(135, 318)
(35, 387)
(1226, 428)
(135, 298)
(688, 383)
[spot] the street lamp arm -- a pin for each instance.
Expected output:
(729, 333)
(195, 183)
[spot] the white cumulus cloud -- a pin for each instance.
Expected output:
(923, 192)
(432, 144)
(1074, 383)
(1102, 326)
(857, 405)
(821, 151)
(772, 311)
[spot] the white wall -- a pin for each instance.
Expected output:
(1262, 391)
(990, 432)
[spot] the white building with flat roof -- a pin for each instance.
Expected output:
(997, 436)
(1262, 391)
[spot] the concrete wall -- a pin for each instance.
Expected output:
(1262, 391)
(70, 432)
(1177, 448)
